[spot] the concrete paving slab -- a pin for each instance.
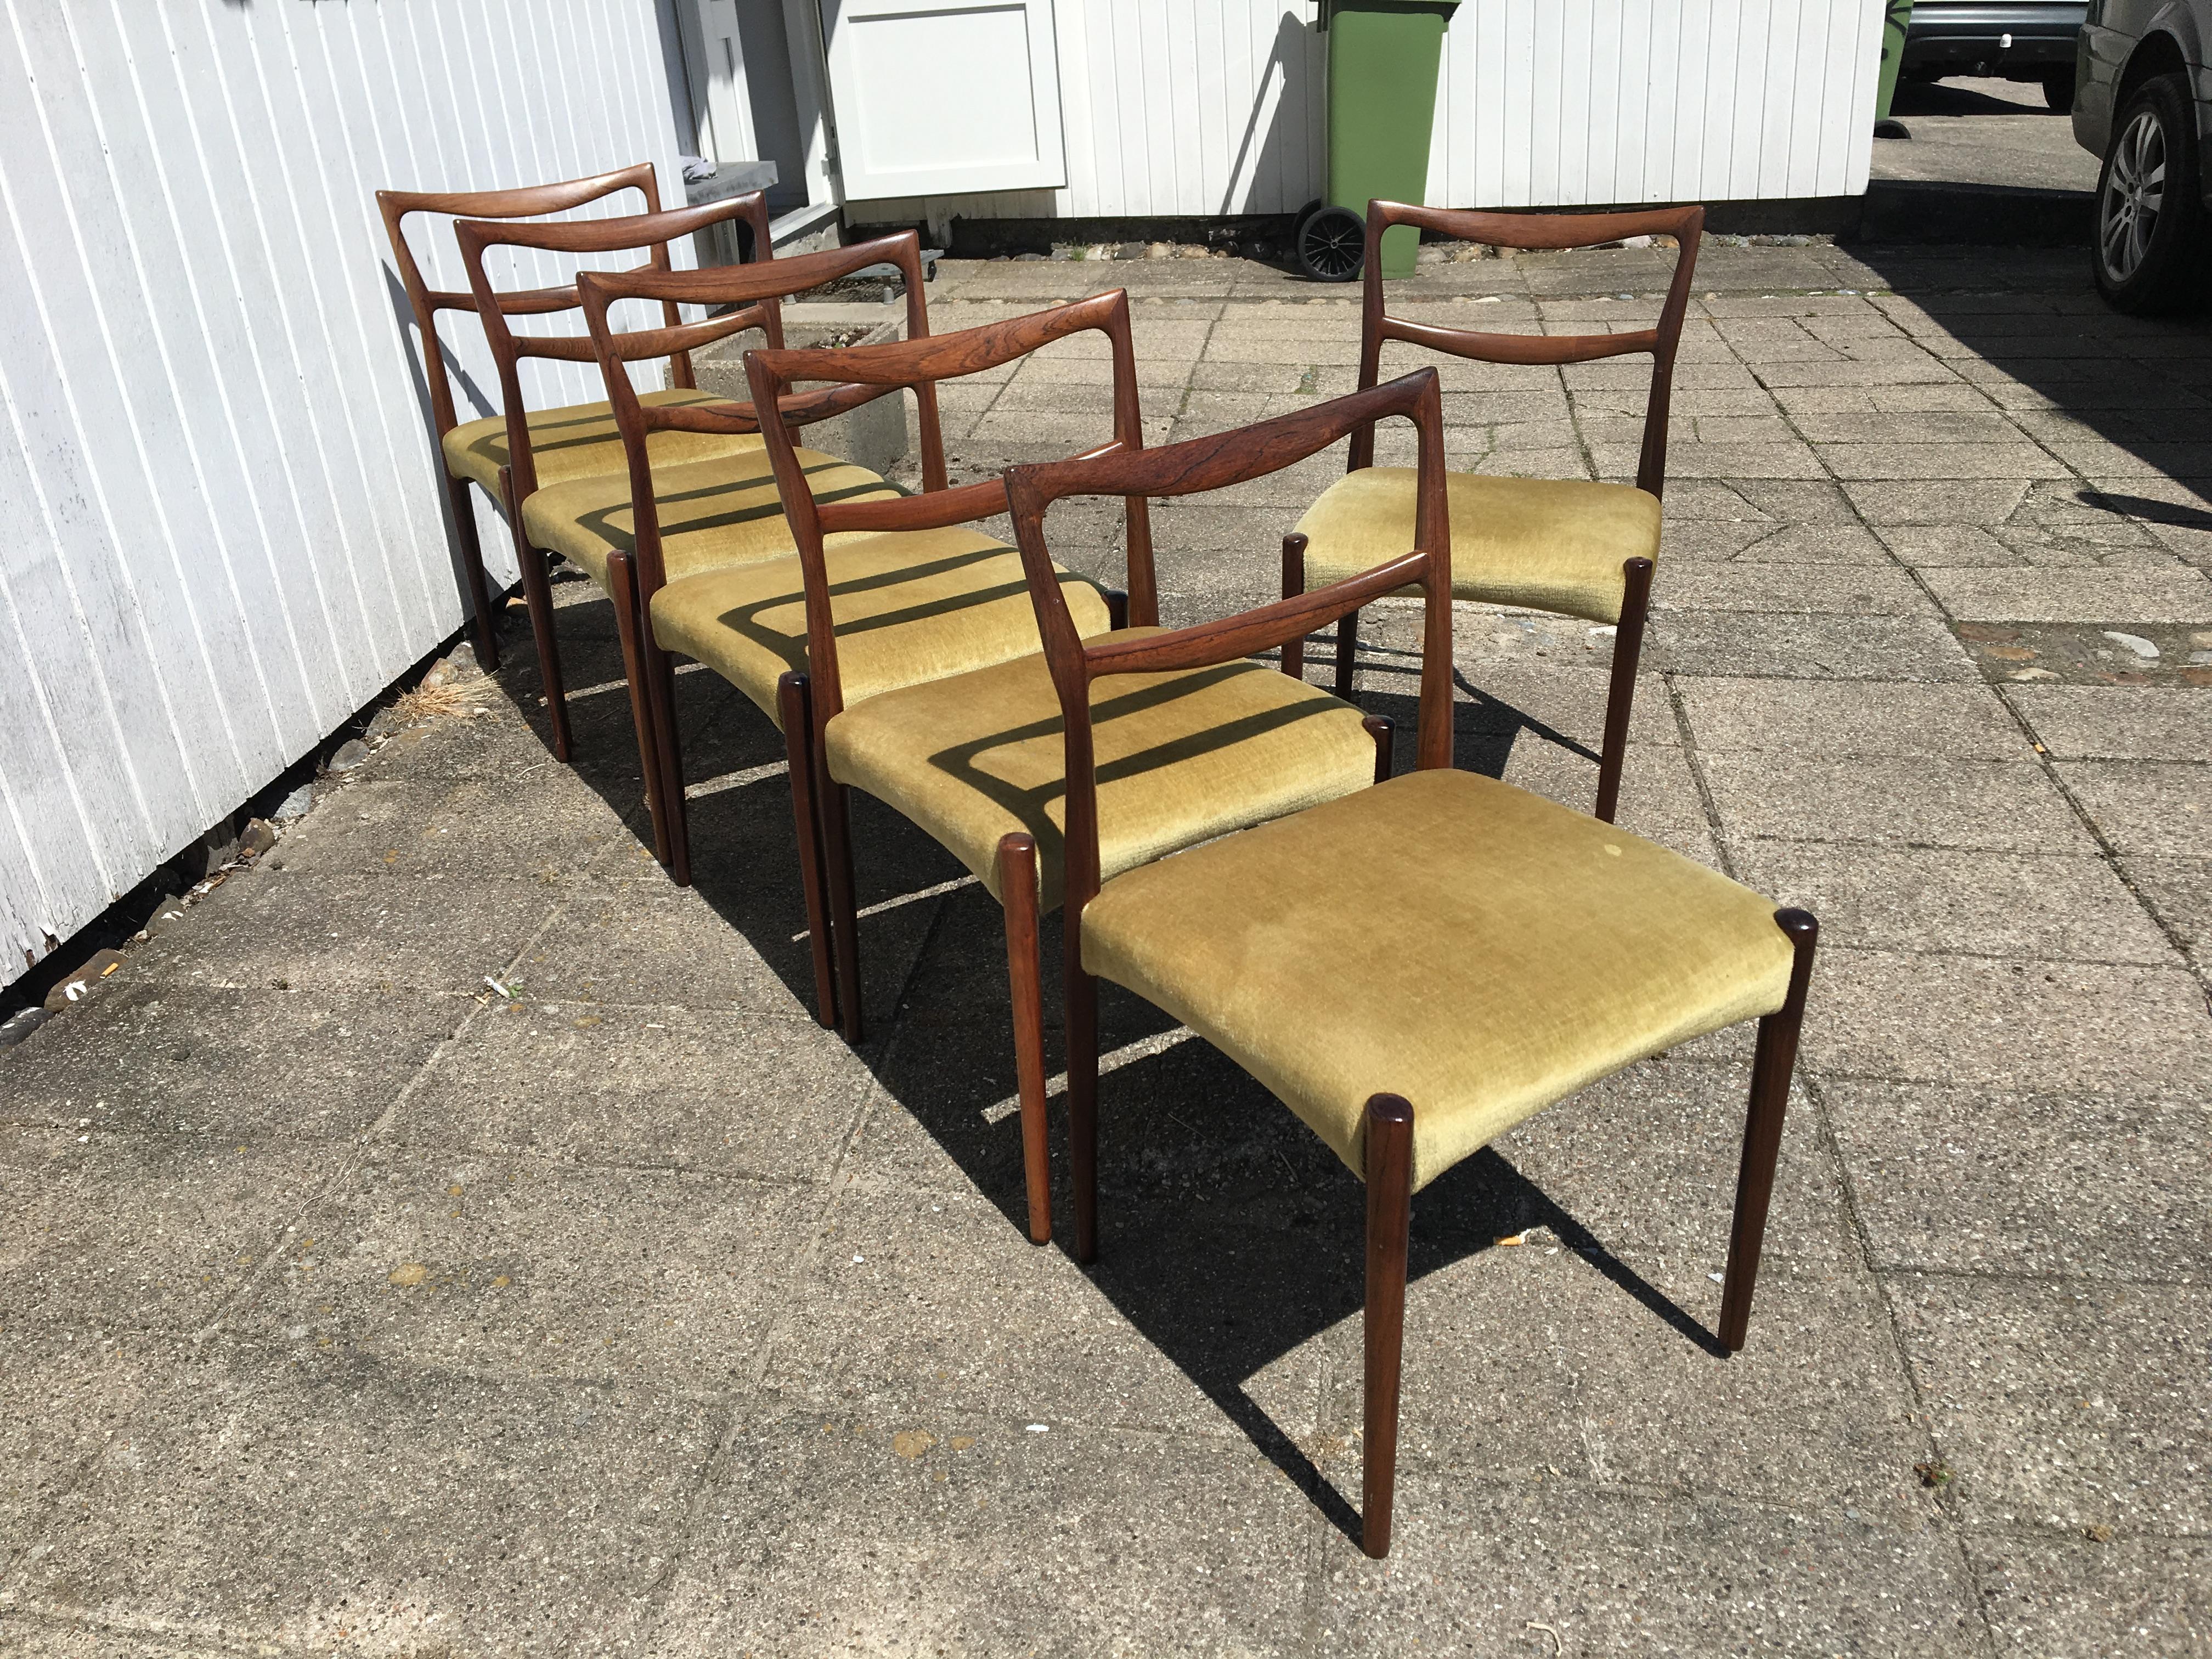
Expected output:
(2059, 1594)
(1640, 1572)
(1857, 718)
(2179, 893)
(2144, 809)
(2079, 722)
(2080, 1186)
(1989, 1023)
(2053, 907)
(147, 1232)
(511, 1267)
(325, 1500)
(1737, 644)
(2094, 1376)
(238, 1064)
(2007, 806)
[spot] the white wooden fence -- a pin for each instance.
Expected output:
(219, 529)
(1176, 107)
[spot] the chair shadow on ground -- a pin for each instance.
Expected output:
(1232, 1236)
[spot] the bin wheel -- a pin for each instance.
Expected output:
(1332, 244)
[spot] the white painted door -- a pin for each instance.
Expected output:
(939, 97)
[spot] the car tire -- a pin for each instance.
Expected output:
(2148, 248)
(2058, 91)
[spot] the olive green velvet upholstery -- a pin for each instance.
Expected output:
(1445, 937)
(581, 442)
(1545, 544)
(909, 606)
(1181, 757)
(713, 512)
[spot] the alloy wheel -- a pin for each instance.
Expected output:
(2134, 188)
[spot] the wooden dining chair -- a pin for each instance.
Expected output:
(658, 534)
(474, 452)
(975, 759)
(581, 455)
(1411, 968)
(1570, 546)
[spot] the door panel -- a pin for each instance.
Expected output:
(938, 97)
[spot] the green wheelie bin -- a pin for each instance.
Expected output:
(1382, 61)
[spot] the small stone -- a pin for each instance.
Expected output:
(349, 754)
(167, 914)
(20, 1025)
(75, 987)
(295, 805)
(2031, 674)
(2135, 642)
(1159, 250)
(259, 835)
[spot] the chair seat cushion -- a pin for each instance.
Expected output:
(910, 606)
(582, 440)
(1445, 937)
(1180, 757)
(1546, 544)
(713, 512)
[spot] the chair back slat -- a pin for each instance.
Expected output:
(754, 292)
(395, 206)
(1537, 230)
(919, 362)
(1216, 463)
(651, 233)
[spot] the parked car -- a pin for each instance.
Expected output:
(2022, 40)
(2143, 106)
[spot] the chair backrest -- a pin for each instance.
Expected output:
(865, 371)
(1215, 463)
(525, 203)
(751, 288)
(650, 232)
(1537, 230)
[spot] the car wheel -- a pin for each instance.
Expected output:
(2149, 254)
(2058, 91)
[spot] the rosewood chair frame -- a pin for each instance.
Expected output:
(1227, 458)
(880, 368)
(1183, 469)
(651, 233)
(636, 575)
(1549, 230)
(426, 302)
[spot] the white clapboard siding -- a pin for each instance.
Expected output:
(1198, 108)
(220, 532)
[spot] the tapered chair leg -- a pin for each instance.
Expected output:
(1018, 886)
(538, 595)
(660, 686)
(622, 592)
(1347, 652)
(1771, 1066)
(1389, 1216)
(1294, 584)
(836, 814)
(484, 632)
(795, 708)
(1620, 691)
(1083, 1098)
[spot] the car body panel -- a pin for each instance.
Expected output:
(2020, 39)
(2122, 40)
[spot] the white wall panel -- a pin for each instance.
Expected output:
(1198, 108)
(220, 529)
